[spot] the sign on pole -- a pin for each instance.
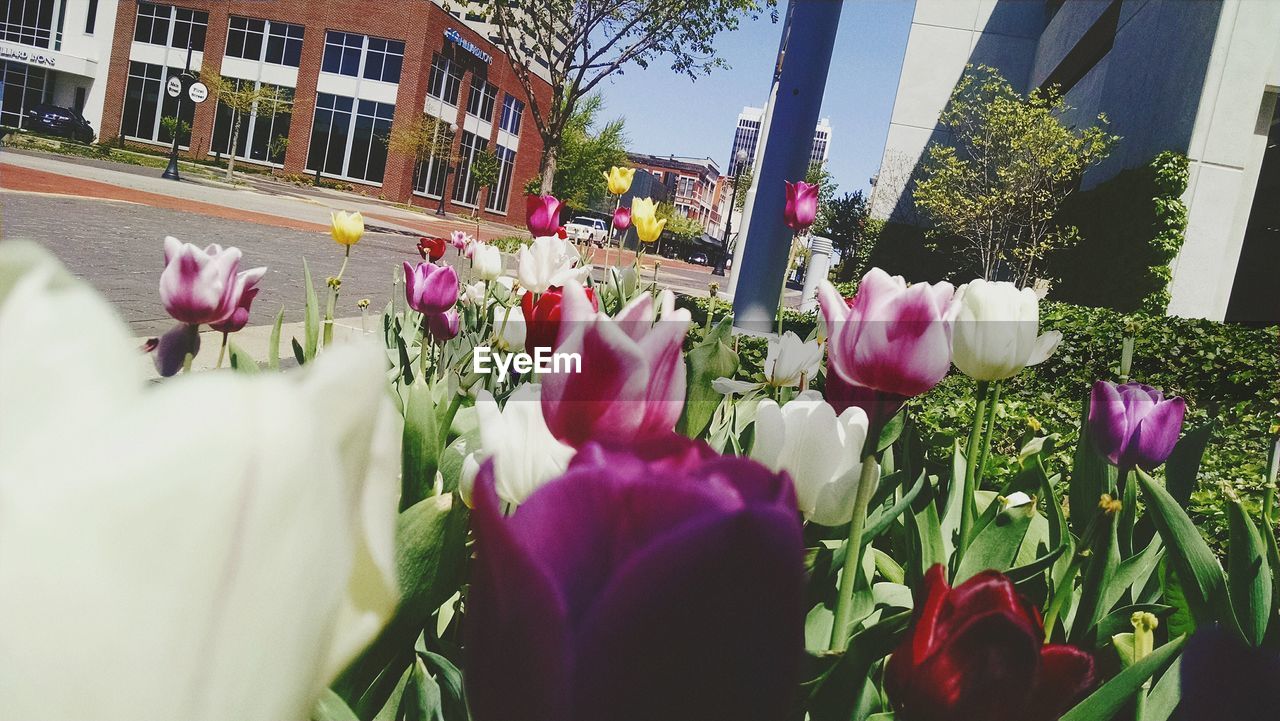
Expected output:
(198, 92)
(174, 86)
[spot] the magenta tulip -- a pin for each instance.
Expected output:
(1134, 424)
(198, 286)
(802, 205)
(622, 218)
(443, 326)
(430, 288)
(665, 582)
(542, 214)
(632, 378)
(246, 289)
(893, 338)
(878, 405)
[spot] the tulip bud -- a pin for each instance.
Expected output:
(802, 205)
(542, 214)
(791, 361)
(548, 262)
(200, 286)
(443, 326)
(459, 239)
(543, 317)
(243, 293)
(995, 330)
(486, 260)
(429, 288)
(431, 248)
(1134, 424)
(622, 218)
(509, 328)
(644, 215)
(619, 179)
(346, 228)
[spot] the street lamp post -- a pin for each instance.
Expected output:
(740, 159)
(171, 172)
(453, 130)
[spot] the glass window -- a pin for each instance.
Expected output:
(446, 79)
(153, 22)
(464, 191)
(152, 25)
(329, 133)
(430, 176)
(91, 18)
(383, 60)
(481, 99)
(29, 22)
(512, 111)
(342, 53)
(146, 103)
(22, 86)
(260, 130)
(284, 44)
(368, 159)
(501, 191)
(189, 25)
(245, 37)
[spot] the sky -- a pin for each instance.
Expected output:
(668, 114)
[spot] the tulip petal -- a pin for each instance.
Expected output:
(1157, 433)
(1107, 427)
(1066, 673)
(1045, 345)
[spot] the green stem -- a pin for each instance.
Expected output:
(222, 352)
(333, 299)
(1140, 702)
(968, 506)
(989, 433)
(424, 346)
(853, 553)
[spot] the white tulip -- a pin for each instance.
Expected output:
(473, 294)
(525, 454)
(509, 328)
(215, 547)
(995, 330)
(487, 262)
(820, 451)
(549, 261)
(789, 359)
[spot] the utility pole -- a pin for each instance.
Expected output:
(805, 58)
(171, 172)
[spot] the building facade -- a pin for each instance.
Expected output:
(1200, 78)
(692, 185)
(346, 74)
(54, 51)
(746, 137)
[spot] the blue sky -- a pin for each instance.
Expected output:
(668, 114)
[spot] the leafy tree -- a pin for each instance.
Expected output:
(588, 149)
(582, 42)
(826, 183)
(425, 137)
(743, 181)
(994, 192)
(484, 171)
(846, 218)
(172, 125)
(243, 98)
(678, 224)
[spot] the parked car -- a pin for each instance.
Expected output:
(60, 121)
(585, 228)
(698, 258)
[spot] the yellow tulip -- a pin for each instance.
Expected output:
(644, 218)
(619, 179)
(345, 227)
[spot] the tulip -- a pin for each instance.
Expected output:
(878, 405)
(690, 562)
(431, 248)
(230, 539)
(430, 288)
(632, 379)
(474, 293)
(892, 339)
(542, 214)
(1134, 424)
(995, 330)
(443, 326)
(820, 451)
(508, 328)
(802, 205)
(619, 179)
(622, 218)
(459, 239)
(543, 317)
(244, 291)
(346, 228)
(199, 286)
(486, 260)
(173, 348)
(975, 652)
(789, 360)
(524, 453)
(549, 261)
(1225, 679)
(643, 214)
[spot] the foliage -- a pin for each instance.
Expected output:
(1136, 221)
(243, 97)
(277, 148)
(582, 43)
(826, 182)
(993, 194)
(422, 138)
(847, 224)
(743, 181)
(510, 243)
(171, 125)
(678, 224)
(588, 148)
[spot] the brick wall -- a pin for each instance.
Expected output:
(420, 24)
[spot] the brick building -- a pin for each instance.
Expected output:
(351, 71)
(692, 185)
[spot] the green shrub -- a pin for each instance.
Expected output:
(511, 243)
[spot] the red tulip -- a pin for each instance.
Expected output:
(542, 214)
(975, 652)
(431, 248)
(542, 318)
(622, 218)
(802, 205)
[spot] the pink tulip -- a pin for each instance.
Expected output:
(878, 405)
(542, 214)
(622, 218)
(443, 326)
(802, 205)
(631, 383)
(246, 289)
(893, 338)
(198, 286)
(459, 239)
(430, 288)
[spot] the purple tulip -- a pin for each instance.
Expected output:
(542, 214)
(246, 289)
(1134, 424)
(622, 218)
(892, 338)
(878, 405)
(443, 326)
(430, 288)
(638, 586)
(802, 205)
(198, 286)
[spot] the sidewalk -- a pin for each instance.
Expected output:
(256, 341)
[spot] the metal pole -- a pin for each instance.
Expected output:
(811, 35)
(171, 172)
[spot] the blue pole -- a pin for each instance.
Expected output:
(810, 35)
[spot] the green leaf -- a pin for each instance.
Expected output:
(312, 318)
(711, 359)
(1199, 572)
(1123, 643)
(1180, 622)
(331, 707)
(422, 701)
(839, 691)
(1091, 476)
(1099, 570)
(1183, 465)
(420, 444)
(273, 345)
(891, 430)
(996, 546)
(449, 678)
(951, 511)
(1164, 698)
(881, 519)
(1248, 574)
(241, 361)
(299, 354)
(1133, 571)
(1108, 700)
